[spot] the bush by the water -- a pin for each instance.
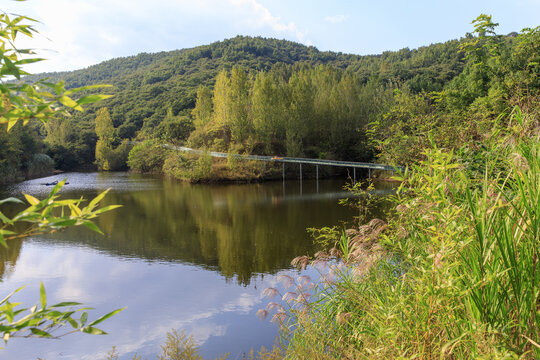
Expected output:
(147, 157)
(40, 165)
(203, 168)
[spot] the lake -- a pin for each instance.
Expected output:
(179, 256)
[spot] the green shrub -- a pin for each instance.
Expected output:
(203, 167)
(64, 157)
(118, 157)
(188, 166)
(40, 165)
(8, 173)
(176, 165)
(147, 157)
(232, 161)
(174, 130)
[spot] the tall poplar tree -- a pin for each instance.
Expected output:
(105, 133)
(238, 105)
(346, 127)
(322, 79)
(58, 131)
(220, 116)
(301, 111)
(202, 113)
(261, 104)
(269, 105)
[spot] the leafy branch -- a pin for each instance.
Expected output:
(22, 102)
(44, 320)
(50, 215)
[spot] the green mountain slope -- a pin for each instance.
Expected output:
(146, 85)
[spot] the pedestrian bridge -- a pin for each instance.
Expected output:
(301, 161)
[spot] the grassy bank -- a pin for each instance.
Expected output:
(453, 275)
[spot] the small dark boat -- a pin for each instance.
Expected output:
(54, 183)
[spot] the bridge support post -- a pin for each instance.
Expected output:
(354, 176)
(369, 170)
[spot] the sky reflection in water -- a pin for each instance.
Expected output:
(192, 258)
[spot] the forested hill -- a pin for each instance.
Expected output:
(268, 96)
(146, 85)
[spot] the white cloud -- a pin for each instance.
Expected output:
(263, 17)
(79, 33)
(335, 19)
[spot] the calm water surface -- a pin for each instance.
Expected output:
(178, 256)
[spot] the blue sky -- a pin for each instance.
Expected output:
(79, 33)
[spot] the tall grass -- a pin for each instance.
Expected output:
(502, 261)
(460, 277)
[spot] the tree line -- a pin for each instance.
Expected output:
(154, 94)
(326, 112)
(298, 110)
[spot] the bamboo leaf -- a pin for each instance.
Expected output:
(29, 61)
(106, 208)
(40, 333)
(84, 317)
(3, 240)
(66, 303)
(11, 124)
(93, 331)
(97, 199)
(73, 323)
(42, 296)
(105, 317)
(11, 294)
(92, 227)
(31, 200)
(12, 200)
(67, 101)
(88, 99)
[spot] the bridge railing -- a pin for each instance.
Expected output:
(351, 164)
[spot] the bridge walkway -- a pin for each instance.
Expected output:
(351, 164)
